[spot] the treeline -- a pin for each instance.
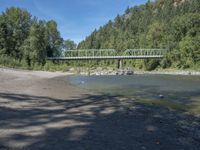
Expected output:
(170, 24)
(26, 40)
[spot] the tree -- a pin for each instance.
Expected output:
(69, 45)
(54, 40)
(14, 27)
(156, 35)
(189, 51)
(157, 24)
(34, 47)
(187, 24)
(23, 37)
(4, 49)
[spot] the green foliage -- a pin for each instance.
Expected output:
(189, 51)
(171, 24)
(35, 45)
(53, 39)
(14, 28)
(69, 45)
(185, 25)
(26, 41)
(10, 62)
(155, 37)
(150, 64)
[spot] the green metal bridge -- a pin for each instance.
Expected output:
(100, 54)
(108, 54)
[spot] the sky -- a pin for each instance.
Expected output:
(76, 19)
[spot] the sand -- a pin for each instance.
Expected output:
(41, 110)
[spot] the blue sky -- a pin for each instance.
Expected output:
(76, 18)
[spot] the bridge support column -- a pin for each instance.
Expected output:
(120, 64)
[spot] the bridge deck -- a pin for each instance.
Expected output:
(105, 57)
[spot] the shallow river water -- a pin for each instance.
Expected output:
(173, 91)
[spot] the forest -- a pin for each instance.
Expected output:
(26, 41)
(170, 24)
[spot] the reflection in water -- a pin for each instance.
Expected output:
(176, 92)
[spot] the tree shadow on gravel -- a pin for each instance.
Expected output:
(100, 122)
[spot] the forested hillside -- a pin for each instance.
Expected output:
(26, 41)
(170, 24)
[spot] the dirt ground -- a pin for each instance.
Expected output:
(40, 110)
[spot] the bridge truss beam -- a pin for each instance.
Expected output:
(98, 54)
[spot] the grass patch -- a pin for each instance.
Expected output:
(191, 108)
(165, 103)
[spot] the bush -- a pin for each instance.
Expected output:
(151, 64)
(10, 62)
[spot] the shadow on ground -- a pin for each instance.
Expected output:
(99, 122)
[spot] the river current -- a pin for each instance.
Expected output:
(179, 92)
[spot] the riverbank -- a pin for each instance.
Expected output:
(41, 110)
(111, 71)
(170, 72)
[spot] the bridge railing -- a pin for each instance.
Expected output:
(90, 53)
(145, 52)
(112, 52)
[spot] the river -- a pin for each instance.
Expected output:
(172, 91)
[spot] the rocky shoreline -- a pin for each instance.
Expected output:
(110, 71)
(178, 72)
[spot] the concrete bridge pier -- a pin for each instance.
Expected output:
(120, 64)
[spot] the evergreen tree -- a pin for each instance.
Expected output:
(171, 24)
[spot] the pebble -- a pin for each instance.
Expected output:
(161, 96)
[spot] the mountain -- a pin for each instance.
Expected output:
(170, 24)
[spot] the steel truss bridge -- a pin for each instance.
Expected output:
(102, 54)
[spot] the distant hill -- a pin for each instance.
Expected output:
(171, 24)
